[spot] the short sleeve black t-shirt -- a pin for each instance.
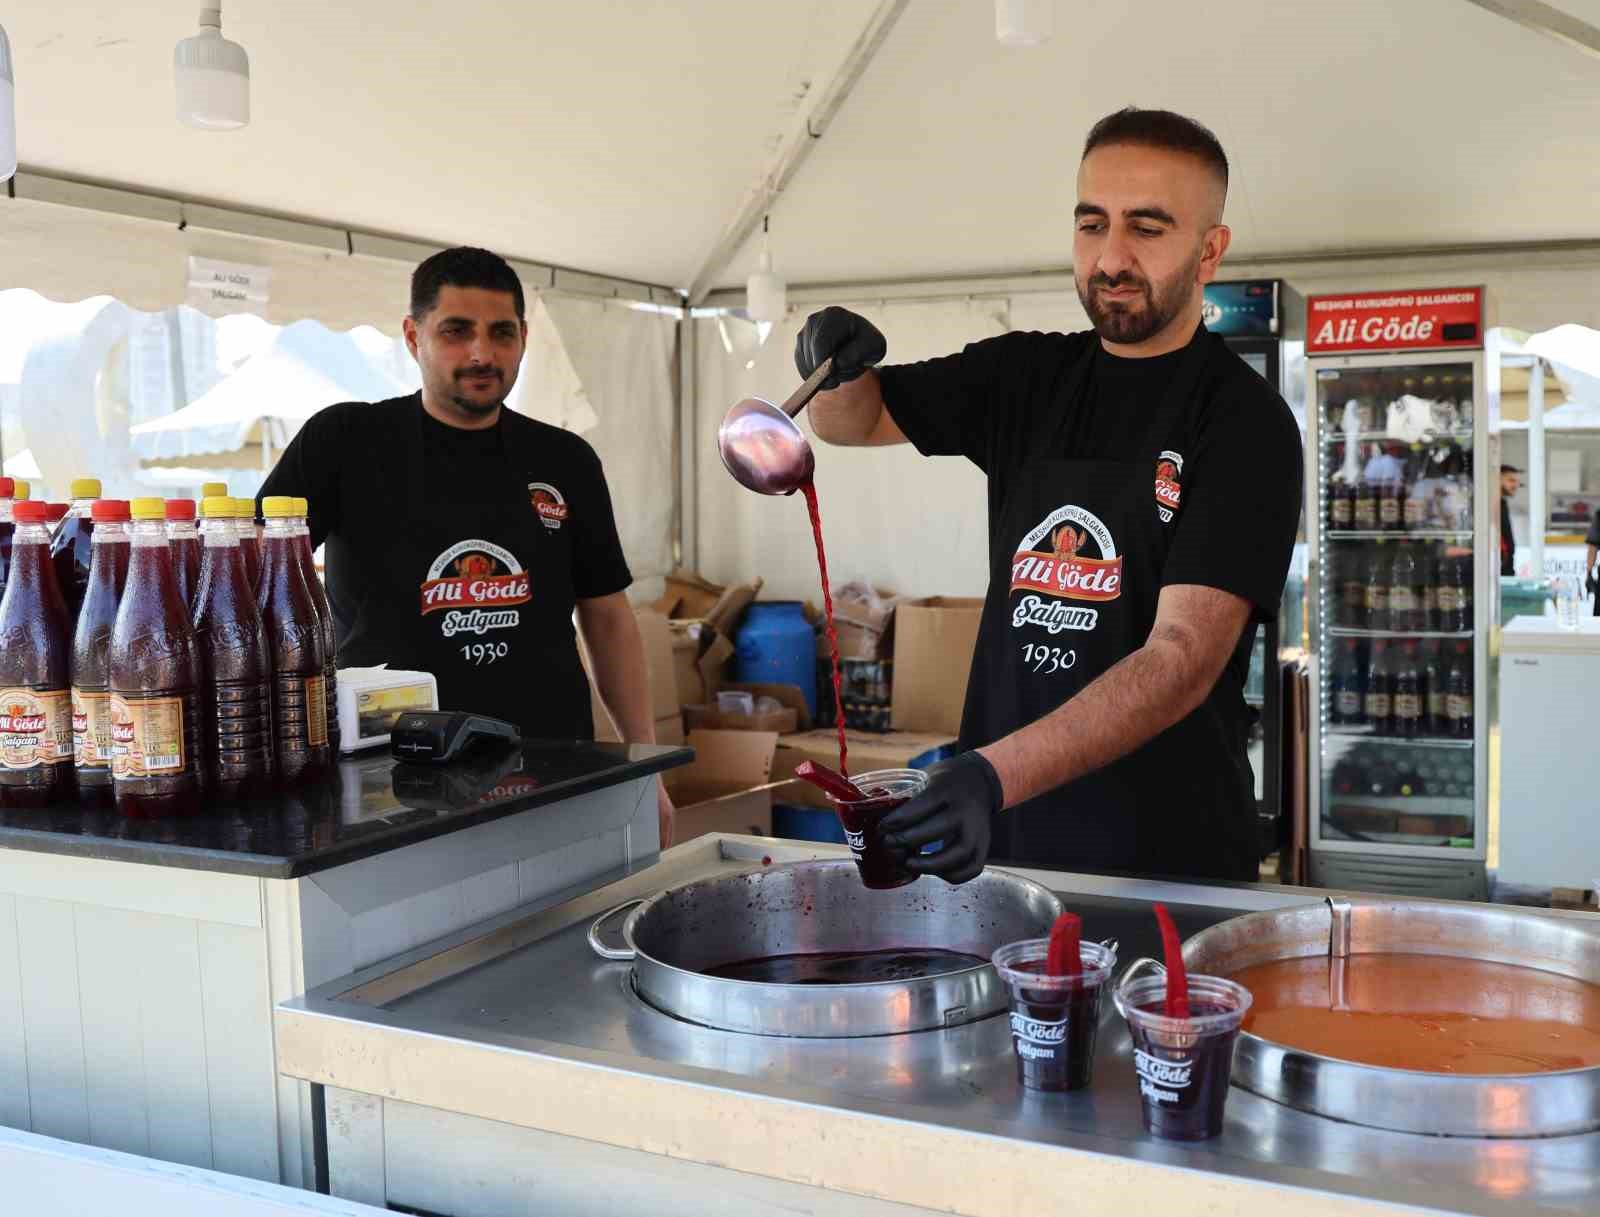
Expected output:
(1003, 402)
(348, 453)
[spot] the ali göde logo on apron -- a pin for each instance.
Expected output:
(548, 505)
(475, 583)
(1169, 490)
(1050, 571)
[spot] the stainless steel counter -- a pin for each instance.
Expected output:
(518, 1023)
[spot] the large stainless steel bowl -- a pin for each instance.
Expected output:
(815, 907)
(1407, 1100)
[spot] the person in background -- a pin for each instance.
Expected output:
(1510, 483)
(1590, 584)
(463, 537)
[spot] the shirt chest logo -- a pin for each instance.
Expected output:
(548, 505)
(475, 584)
(1169, 488)
(1051, 569)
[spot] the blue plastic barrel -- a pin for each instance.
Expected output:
(777, 646)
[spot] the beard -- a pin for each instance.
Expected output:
(1141, 316)
(478, 406)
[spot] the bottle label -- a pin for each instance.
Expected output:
(1449, 599)
(1458, 706)
(1438, 705)
(316, 711)
(1401, 599)
(35, 727)
(1377, 705)
(1416, 512)
(1349, 703)
(1377, 598)
(146, 736)
(1407, 705)
(1341, 514)
(91, 729)
(1366, 513)
(1389, 512)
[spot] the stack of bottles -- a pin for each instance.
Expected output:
(1405, 588)
(1407, 690)
(155, 652)
(1424, 489)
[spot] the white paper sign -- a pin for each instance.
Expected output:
(218, 288)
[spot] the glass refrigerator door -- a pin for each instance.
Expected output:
(1398, 745)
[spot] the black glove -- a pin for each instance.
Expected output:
(955, 808)
(854, 342)
(1589, 585)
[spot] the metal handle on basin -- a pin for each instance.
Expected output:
(1141, 965)
(599, 947)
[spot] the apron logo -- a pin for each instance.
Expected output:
(548, 504)
(1169, 471)
(475, 583)
(1048, 564)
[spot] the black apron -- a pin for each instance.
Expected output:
(1077, 553)
(471, 584)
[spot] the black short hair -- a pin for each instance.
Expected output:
(463, 266)
(1160, 129)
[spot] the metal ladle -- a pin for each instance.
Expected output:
(763, 447)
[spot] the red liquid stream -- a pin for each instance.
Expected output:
(1177, 977)
(810, 491)
(1065, 957)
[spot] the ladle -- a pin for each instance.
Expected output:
(763, 447)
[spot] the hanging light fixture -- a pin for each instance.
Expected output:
(212, 76)
(8, 110)
(766, 296)
(1024, 22)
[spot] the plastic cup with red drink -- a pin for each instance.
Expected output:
(1054, 1017)
(1183, 1063)
(881, 865)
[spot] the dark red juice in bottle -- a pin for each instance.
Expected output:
(235, 661)
(185, 542)
(156, 685)
(244, 523)
(8, 493)
(294, 640)
(330, 631)
(71, 548)
(35, 671)
(92, 749)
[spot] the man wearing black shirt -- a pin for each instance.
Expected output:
(1510, 483)
(1143, 499)
(461, 536)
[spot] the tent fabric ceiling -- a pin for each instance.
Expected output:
(618, 136)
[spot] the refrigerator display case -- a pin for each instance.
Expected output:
(1398, 524)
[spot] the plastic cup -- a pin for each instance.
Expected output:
(1054, 1018)
(881, 867)
(1183, 1064)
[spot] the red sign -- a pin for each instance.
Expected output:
(1428, 319)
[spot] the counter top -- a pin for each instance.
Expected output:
(370, 805)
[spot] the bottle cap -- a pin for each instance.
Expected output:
(212, 490)
(277, 507)
(244, 508)
(29, 513)
(218, 506)
(302, 506)
(56, 511)
(148, 509)
(21, 489)
(84, 488)
(7, 488)
(180, 509)
(110, 511)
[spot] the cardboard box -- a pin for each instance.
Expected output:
(933, 644)
(863, 618)
(793, 717)
(656, 635)
(727, 787)
(868, 751)
(688, 595)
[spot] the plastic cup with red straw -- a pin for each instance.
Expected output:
(861, 806)
(1055, 985)
(1183, 1029)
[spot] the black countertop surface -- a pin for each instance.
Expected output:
(371, 805)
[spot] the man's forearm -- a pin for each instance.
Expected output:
(1124, 708)
(849, 414)
(617, 654)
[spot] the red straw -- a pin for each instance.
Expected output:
(1177, 978)
(829, 782)
(1065, 958)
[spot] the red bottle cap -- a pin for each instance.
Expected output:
(7, 488)
(110, 511)
(31, 512)
(180, 509)
(55, 511)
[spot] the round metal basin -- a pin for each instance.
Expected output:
(672, 937)
(1408, 1100)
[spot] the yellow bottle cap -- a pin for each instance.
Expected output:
(148, 509)
(302, 506)
(213, 490)
(19, 489)
(84, 488)
(277, 507)
(244, 509)
(217, 507)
